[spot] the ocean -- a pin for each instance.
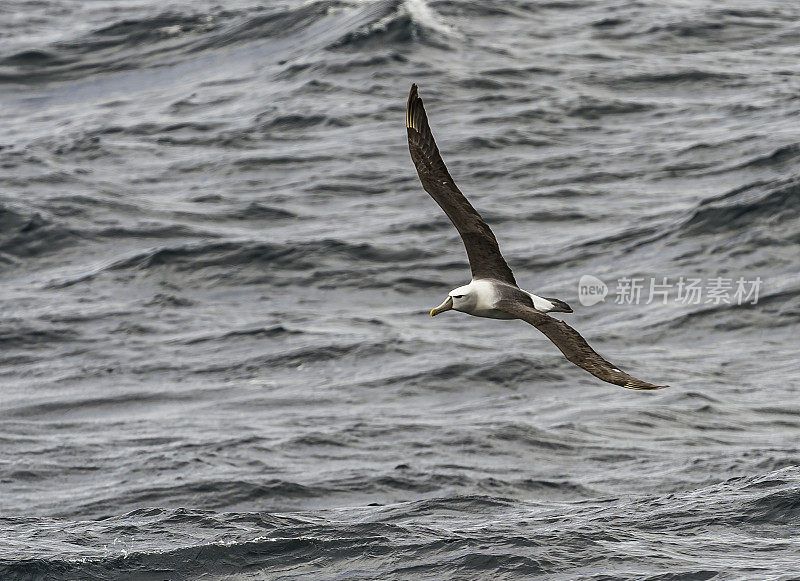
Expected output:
(217, 262)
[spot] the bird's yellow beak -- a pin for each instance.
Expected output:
(445, 306)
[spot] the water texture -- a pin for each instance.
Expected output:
(216, 263)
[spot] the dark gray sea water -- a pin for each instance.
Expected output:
(216, 264)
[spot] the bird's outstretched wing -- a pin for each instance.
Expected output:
(484, 255)
(573, 346)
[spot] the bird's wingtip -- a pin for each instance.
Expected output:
(414, 103)
(413, 94)
(642, 386)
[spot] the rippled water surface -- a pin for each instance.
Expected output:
(217, 261)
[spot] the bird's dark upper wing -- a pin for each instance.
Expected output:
(573, 346)
(482, 249)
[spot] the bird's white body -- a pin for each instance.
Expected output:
(479, 297)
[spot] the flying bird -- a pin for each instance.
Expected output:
(493, 291)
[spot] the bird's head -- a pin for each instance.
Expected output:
(461, 299)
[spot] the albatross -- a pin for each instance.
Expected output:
(493, 292)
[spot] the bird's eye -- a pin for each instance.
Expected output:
(458, 296)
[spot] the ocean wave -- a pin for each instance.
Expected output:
(515, 371)
(258, 332)
(25, 234)
(398, 22)
(149, 128)
(173, 37)
(247, 27)
(299, 256)
(781, 157)
(144, 230)
(686, 76)
(530, 436)
(774, 309)
(295, 358)
(166, 300)
(595, 108)
(296, 121)
(507, 372)
(123, 45)
(741, 221)
(742, 208)
(702, 29)
(251, 262)
(484, 535)
(17, 335)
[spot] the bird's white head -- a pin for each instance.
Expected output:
(463, 298)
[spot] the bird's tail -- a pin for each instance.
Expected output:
(559, 306)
